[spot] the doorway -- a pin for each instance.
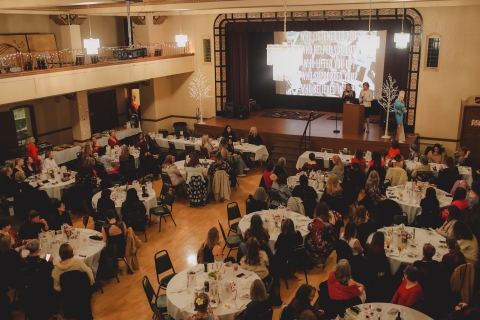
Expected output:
(471, 132)
(103, 110)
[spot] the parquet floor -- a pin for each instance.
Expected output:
(126, 300)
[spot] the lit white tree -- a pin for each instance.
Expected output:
(387, 99)
(199, 89)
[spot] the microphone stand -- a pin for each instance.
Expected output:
(336, 121)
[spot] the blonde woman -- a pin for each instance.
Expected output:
(32, 151)
(210, 250)
(338, 167)
(254, 137)
(206, 144)
(171, 169)
(341, 285)
(260, 303)
(372, 188)
(333, 197)
(364, 225)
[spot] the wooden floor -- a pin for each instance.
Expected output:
(126, 300)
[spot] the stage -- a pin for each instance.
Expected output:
(322, 135)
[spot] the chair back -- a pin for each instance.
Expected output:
(189, 148)
(399, 219)
(247, 206)
(158, 314)
(108, 263)
(99, 224)
(344, 251)
(204, 153)
(320, 163)
(424, 176)
(171, 148)
(233, 211)
(136, 220)
(168, 199)
(147, 287)
(262, 184)
(166, 179)
(76, 295)
(274, 196)
(223, 231)
(162, 263)
(166, 188)
(462, 281)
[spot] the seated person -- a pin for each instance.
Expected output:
(266, 176)
(95, 144)
(454, 215)
(311, 164)
(350, 237)
(460, 200)
(413, 152)
(364, 225)
(301, 302)
(463, 157)
(427, 266)
(260, 303)
(280, 185)
(430, 215)
(7, 183)
(338, 168)
(255, 260)
(202, 308)
(307, 194)
(396, 175)
(107, 161)
(18, 165)
(105, 202)
(258, 200)
(210, 250)
(394, 149)
(254, 137)
(69, 263)
(341, 285)
(376, 253)
(49, 162)
(280, 167)
(333, 195)
(113, 228)
(256, 230)
(423, 166)
(451, 260)
(131, 205)
(60, 217)
(112, 140)
(171, 169)
(287, 240)
(358, 158)
(436, 155)
(218, 165)
(30, 228)
(410, 293)
(466, 241)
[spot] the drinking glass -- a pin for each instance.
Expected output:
(401, 246)
(378, 307)
(388, 240)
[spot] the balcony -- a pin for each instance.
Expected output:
(28, 76)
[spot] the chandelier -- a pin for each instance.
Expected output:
(181, 39)
(286, 58)
(369, 43)
(402, 39)
(91, 45)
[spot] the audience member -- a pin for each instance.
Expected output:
(7, 183)
(95, 144)
(131, 206)
(266, 176)
(311, 164)
(105, 203)
(473, 195)
(284, 193)
(451, 260)
(254, 138)
(113, 229)
(30, 168)
(333, 196)
(410, 293)
(280, 167)
(413, 154)
(454, 215)
(258, 200)
(341, 286)
(364, 225)
(49, 162)
(338, 168)
(302, 302)
(228, 133)
(430, 215)
(322, 234)
(460, 200)
(171, 169)
(112, 140)
(218, 165)
(18, 165)
(69, 263)
(450, 170)
(307, 194)
(255, 260)
(436, 155)
(125, 158)
(394, 149)
(375, 251)
(260, 303)
(256, 230)
(139, 140)
(10, 265)
(287, 240)
(423, 166)
(463, 158)
(350, 237)
(207, 145)
(372, 188)
(60, 217)
(30, 228)
(358, 158)
(202, 308)
(396, 175)
(466, 241)
(210, 250)
(427, 266)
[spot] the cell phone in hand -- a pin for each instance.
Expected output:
(47, 256)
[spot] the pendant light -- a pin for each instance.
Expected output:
(402, 39)
(181, 39)
(369, 43)
(91, 45)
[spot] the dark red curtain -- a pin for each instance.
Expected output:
(237, 69)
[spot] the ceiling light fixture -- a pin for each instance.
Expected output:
(181, 39)
(91, 45)
(402, 39)
(369, 43)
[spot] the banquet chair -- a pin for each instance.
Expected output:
(137, 222)
(166, 180)
(399, 219)
(320, 163)
(424, 176)
(76, 295)
(189, 149)
(166, 188)
(163, 264)
(99, 225)
(178, 154)
(158, 314)
(247, 206)
(107, 265)
(274, 196)
(163, 210)
(160, 302)
(232, 242)
(233, 213)
(327, 150)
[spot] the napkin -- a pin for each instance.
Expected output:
(395, 252)
(300, 218)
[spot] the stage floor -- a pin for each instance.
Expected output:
(320, 127)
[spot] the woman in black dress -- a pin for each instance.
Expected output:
(29, 168)
(228, 133)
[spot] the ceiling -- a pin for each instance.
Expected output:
(172, 7)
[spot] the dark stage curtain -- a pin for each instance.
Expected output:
(259, 83)
(237, 69)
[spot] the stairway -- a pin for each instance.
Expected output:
(289, 149)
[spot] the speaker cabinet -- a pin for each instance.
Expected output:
(229, 110)
(242, 112)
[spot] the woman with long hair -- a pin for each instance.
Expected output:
(376, 253)
(399, 109)
(287, 240)
(322, 235)
(394, 149)
(139, 140)
(350, 237)
(454, 215)
(430, 216)
(333, 195)
(372, 188)
(124, 159)
(171, 169)
(29, 167)
(260, 303)
(203, 312)
(280, 185)
(358, 158)
(240, 165)
(436, 155)
(132, 205)
(228, 133)
(219, 164)
(254, 138)
(460, 200)
(311, 164)
(303, 301)
(363, 224)
(32, 151)
(197, 182)
(257, 230)
(338, 168)
(105, 203)
(255, 260)
(207, 145)
(210, 250)
(466, 241)
(107, 160)
(341, 285)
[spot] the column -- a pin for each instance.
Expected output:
(156, 105)
(80, 118)
(70, 37)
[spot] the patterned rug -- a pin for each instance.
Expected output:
(341, 119)
(295, 115)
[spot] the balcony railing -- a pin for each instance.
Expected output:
(33, 61)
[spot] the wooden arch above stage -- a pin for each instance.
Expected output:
(414, 49)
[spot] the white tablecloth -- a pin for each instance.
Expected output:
(405, 312)
(120, 135)
(181, 167)
(301, 224)
(465, 172)
(326, 157)
(64, 156)
(180, 304)
(136, 156)
(88, 253)
(55, 190)
(150, 202)
(260, 152)
(412, 206)
(411, 254)
(292, 181)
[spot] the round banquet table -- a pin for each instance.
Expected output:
(88, 252)
(180, 302)
(119, 198)
(301, 224)
(465, 172)
(136, 156)
(412, 253)
(54, 188)
(293, 181)
(405, 312)
(412, 206)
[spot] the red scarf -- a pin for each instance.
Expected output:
(338, 291)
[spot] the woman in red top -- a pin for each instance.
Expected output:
(359, 159)
(266, 176)
(394, 149)
(32, 151)
(460, 200)
(410, 293)
(113, 141)
(341, 285)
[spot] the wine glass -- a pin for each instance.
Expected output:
(388, 240)
(378, 307)
(401, 246)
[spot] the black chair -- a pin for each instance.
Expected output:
(76, 295)
(166, 188)
(248, 210)
(274, 196)
(232, 242)
(137, 221)
(424, 176)
(160, 302)
(233, 213)
(99, 225)
(204, 153)
(128, 171)
(178, 154)
(107, 265)
(320, 163)
(166, 180)
(189, 149)
(400, 218)
(163, 210)
(163, 264)
(158, 314)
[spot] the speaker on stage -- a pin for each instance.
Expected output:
(242, 112)
(229, 110)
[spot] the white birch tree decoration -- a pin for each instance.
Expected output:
(199, 90)
(387, 99)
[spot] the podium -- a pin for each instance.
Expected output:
(353, 118)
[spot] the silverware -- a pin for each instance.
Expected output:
(248, 276)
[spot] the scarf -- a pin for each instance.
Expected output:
(338, 291)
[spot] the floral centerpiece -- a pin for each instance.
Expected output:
(67, 230)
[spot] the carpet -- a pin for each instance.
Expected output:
(341, 119)
(295, 115)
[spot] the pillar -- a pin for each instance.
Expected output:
(70, 37)
(80, 118)
(156, 105)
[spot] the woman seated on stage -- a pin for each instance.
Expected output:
(228, 133)
(311, 164)
(254, 137)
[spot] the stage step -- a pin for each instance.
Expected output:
(289, 143)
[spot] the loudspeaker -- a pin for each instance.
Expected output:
(229, 110)
(242, 112)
